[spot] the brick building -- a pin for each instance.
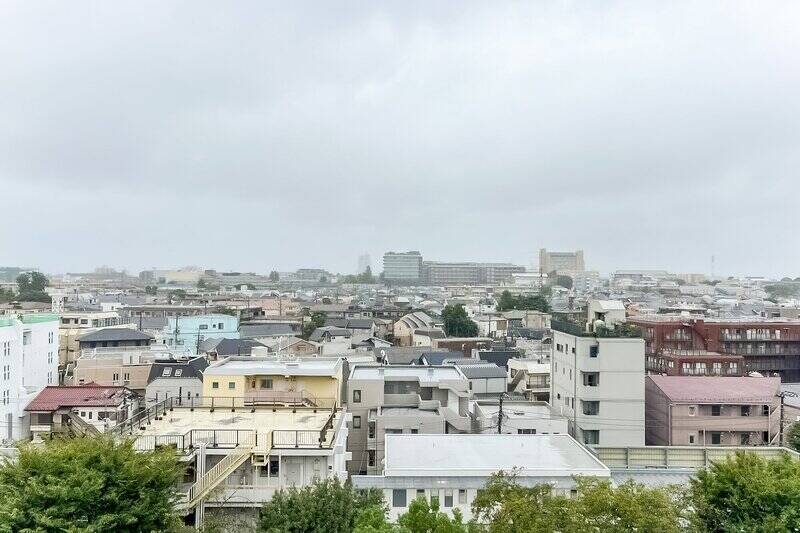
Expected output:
(677, 345)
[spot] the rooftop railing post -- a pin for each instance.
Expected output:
(191, 406)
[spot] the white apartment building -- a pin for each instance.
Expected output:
(29, 361)
(597, 382)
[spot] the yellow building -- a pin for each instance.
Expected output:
(239, 381)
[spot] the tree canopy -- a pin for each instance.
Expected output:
(747, 493)
(274, 276)
(317, 321)
(89, 485)
(457, 323)
(524, 302)
(328, 506)
(364, 277)
(31, 287)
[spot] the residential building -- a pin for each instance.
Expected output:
(467, 273)
(702, 411)
(465, 345)
(530, 378)
(181, 380)
(79, 410)
(268, 380)
(237, 458)
(191, 331)
(402, 399)
(452, 469)
(527, 319)
(417, 329)
(560, 261)
(73, 324)
(332, 340)
(115, 337)
(485, 379)
(721, 346)
(597, 380)
(519, 418)
(29, 360)
(113, 367)
(402, 267)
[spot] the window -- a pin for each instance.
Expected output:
(393, 431)
(166, 372)
(370, 457)
(591, 408)
(356, 422)
(356, 396)
(744, 439)
(716, 437)
(462, 496)
(231, 384)
(435, 498)
(591, 436)
(399, 498)
(745, 409)
(448, 497)
(178, 372)
(765, 437)
(526, 431)
(593, 351)
(371, 429)
(220, 325)
(559, 347)
(591, 379)
(90, 415)
(203, 326)
(126, 376)
(692, 438)
(716, 410)
(274, 467)
(266, 383)
(765, 410)
(115, 376)
(215, 384)
(420, 493)
(692, 410)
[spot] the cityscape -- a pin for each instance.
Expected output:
(399, 267)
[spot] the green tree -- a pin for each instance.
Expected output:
(328, 506)
(151, 290)
(563, 281)
(747, 493)
(89, 485)
(372, 519)
(793, 436)
(274, 277)
(201, 284)
(176, 295)
(31, 287)
(507, 507)
(457, 323)
(317, 321)
(524, 302)
(422, 517)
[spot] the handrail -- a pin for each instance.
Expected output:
(217, 473)
(148, 414)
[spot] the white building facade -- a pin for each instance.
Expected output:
(597, 383)
(29, 361)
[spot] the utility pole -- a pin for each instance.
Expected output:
(500, 414)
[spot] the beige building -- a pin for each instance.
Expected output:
(75, 324)
(703, 411)
(417, 329)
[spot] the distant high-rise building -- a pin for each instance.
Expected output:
(402, 267)
(364, 261)
(440, 273)
(559, 261)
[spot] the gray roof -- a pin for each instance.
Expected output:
(115, 334)
(191, 369)
(235, 346)
(251, 331)
(437, 358)
(482, 371)
(404, 355)
(151, 322)
(319, 333)
(350, 323)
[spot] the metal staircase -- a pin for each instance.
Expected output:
(217, 474)
(80, 427)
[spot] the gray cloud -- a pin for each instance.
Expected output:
(256, 135)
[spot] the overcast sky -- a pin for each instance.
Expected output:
(255, 135)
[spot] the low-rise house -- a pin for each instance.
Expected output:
(267, 380)
(79, 410)
(702, 411)
(332, 340)
(465, 345)
(112, 367)
(221, 348)
(452, 469)
(413, 329)
(485, 379)
(519, 418)
(530, 319)
(402, 399)
(73, 324)
(170, 378)
(191, 331)
(360, 328)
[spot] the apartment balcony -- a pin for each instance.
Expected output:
(401, 400)
(428, 405)
(245, 495)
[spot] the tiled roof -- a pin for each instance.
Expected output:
(51, 398)
(115, 334)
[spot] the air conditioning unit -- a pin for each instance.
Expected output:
(260, 459)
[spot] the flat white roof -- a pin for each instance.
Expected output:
(252, 366)
(410, 371)
(483, 455)
(531, 366)
(520, 410)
